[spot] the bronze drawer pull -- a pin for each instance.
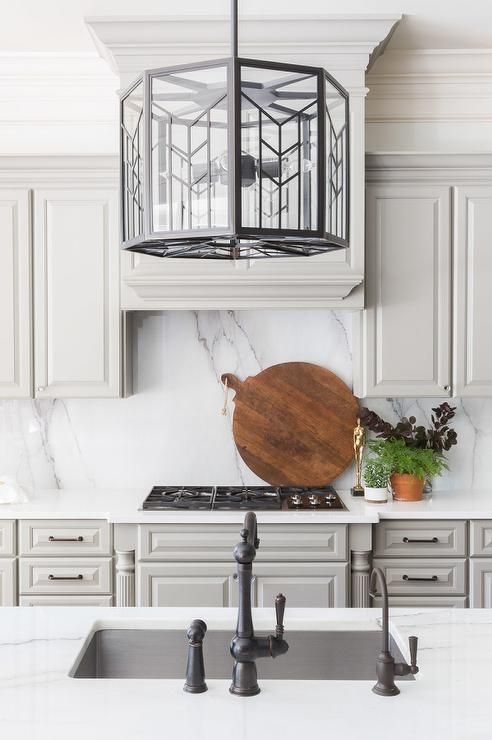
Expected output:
(66, 578)
(410, 578)
(65, 539)
(432, 541)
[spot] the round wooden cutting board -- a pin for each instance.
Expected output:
(293, 423)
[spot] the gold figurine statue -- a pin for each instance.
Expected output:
(359, 442)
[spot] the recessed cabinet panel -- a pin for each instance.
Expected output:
(481, 583)
(420, 539)
(190, 584)
(77, 324)
(473, 280)
(217, 541)
(64, 537)
(15, 295)
(481, 537)
(307, 586)
(65, 575)
(8, 590)
(405, 335)
(431, 576)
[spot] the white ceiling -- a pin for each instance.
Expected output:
(58, 25)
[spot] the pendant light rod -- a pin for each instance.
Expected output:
(234, 29)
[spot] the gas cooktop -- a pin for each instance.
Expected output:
(231, 498)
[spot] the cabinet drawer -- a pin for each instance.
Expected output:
(195, 542)
(7, 538)
(440, 602)
(481, 537)
(429, 576)
(64, 537)
(65, 576)
(66, 601)
(8, 590)
(408, 539)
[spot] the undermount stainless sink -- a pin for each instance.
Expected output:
(158, 653)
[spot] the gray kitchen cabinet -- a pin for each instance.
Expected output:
(60, 320)
(185, 584)
(193, 565)
(428, 258)
(15, 294)
(481, 583)
(481, 538)
(8, 569)
(481, 563)
(8, 590)
(65, 561)
(408, 276)
(395, 539)
(317, 585)
(215, 584)
(424, 561)
(211, 542)
(424, 576)
(473, 270)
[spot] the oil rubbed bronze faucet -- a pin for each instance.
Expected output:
(386, 668)
(245, 647)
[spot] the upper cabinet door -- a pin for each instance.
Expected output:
(405, 341)
(76, 270)
(15, 294)
(473, 281)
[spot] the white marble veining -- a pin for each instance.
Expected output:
(171, 430)
(449, 700)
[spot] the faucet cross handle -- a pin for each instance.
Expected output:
(279, 611)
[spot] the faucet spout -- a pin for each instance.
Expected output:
(386, 668)
(245, 647)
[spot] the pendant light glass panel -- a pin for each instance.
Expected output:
(279, 150)
(189, 144)
(337, 164)
(132, 142)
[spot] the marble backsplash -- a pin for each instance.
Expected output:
(171, 430)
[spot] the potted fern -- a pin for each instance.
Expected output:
(376, 479)
(409, 466)
(415, 453)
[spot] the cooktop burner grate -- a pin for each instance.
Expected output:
(232, 498)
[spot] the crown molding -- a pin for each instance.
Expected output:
(130, 44)
(430, 85)
(457, 168)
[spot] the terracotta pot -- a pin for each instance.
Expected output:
(407, 487)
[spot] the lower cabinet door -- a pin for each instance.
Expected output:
(8, 591)
(185, 584)
(65, 601)
(481, 583)
(312, 585)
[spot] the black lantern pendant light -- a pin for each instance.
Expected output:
(235, 158)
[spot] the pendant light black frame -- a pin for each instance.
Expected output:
(236, 241)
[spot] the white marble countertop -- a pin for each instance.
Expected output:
(449, 700)
(123, 506)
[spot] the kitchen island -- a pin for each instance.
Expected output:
(448, 700)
